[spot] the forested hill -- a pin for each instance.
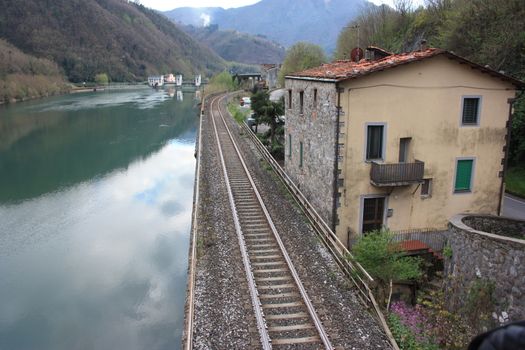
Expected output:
(87, 37)
(236, 46)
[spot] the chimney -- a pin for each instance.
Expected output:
(423, 45)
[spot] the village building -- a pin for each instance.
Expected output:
(169, 79)
(155, 81)
(270, 74)
(402, 141)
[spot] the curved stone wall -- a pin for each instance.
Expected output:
(497, 256)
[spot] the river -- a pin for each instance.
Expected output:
(95, 214)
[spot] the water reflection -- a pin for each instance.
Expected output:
(99, 263)
(75, 138)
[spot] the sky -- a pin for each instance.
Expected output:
(165, 5)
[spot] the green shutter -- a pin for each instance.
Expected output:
(463, 175)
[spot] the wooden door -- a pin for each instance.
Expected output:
(373, 213)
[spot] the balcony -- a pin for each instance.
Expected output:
(397, 174)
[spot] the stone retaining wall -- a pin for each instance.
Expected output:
(490, 256)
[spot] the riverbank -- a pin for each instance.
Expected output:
(68, 88)
(223, 312)
(24, 87)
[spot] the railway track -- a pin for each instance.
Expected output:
(284, 314)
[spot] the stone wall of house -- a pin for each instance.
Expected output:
(315, 128)
(489, 256)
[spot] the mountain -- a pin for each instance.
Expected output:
(86, 37)
(284, 21)
(236, 46)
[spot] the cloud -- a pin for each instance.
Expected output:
(206, 19)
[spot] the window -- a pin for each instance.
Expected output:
(290, 99)
(289, 145)
(463, 181)
(470, 114)
(374, 142)
(301, 102)
(301, 154)
(426, 188)
(315, 97)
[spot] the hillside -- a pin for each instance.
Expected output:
(87, 37)
(235, 46)
(23, 76)
(283, 21)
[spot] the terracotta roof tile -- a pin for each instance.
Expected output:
(346, 69)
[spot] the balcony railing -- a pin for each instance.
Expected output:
(397, 174)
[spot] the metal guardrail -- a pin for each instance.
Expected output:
(434, 238)
(342, 256)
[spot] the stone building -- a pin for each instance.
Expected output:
(403, 141)
(270, 74)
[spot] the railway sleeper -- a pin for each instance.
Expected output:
(297, 343)
(294, 327)
(278, 295)
(264, 257)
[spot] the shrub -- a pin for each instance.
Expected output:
(380, 256)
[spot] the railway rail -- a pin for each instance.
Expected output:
(285, 316)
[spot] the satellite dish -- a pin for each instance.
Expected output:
(357, 54)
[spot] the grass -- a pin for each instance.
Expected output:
(238, 114)
(515, 181)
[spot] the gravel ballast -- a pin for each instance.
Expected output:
(223, 313)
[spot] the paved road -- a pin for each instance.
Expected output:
(275, 95)
(514, 207)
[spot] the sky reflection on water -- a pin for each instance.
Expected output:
(101, 263)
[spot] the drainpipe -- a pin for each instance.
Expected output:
(336, 161)
(510, 101)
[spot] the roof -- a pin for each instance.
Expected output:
(346, 69)
(268, 66)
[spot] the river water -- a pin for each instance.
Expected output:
(95, 214)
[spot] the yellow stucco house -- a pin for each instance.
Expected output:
(403, 141)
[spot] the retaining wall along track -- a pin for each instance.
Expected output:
(493, 249)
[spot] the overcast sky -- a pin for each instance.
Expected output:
(165, 5)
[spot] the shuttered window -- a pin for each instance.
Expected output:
(470, 111)
(374, 142)
(463, 175)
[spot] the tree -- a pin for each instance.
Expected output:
(380, 256)
(101, 79)
(222, 82)
(259, 101)
(267, 112)
(299, 57)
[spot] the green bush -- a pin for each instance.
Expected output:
(221, 82)
(380, 256)
(102, 79)
(237, 114)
